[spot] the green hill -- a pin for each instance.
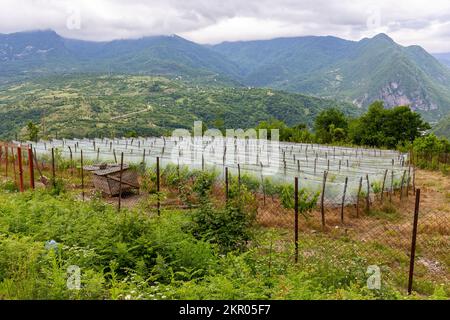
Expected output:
(78, 106)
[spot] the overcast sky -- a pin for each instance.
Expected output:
(422, 22)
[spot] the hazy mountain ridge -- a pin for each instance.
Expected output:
(444, 58)
(362, 71)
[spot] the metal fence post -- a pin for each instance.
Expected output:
(19, 159)
(322, 208)
(357, 196)
(343, 200)
(31, 166)
(382, 187)
(368, 194)
(82, 175)
(413, 242)
(6, 161)
(53, 168)
(226, 183)
(120, 181)
(296, 218)
(158, 186)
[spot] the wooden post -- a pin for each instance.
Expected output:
(322, 208)
(6, 161)
(31, 166)
(296, 218)
(53, 168)
(408, 181)
(158, 187)
(382, 187)
(120, 181)
(82, 175)
(226, 183)
(414, 180)
(343, 200)
(239, 177)
(14, 165)
(71, 161)
(368, 194)
(391, 191)
(19, 159)
(357, 197)
(413, 242)
(401, 186)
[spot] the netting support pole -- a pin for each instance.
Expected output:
(120, 182)
(413, 242)
(296, 218)
(31, 166)
(82, 174)
(158, 186)
(382, 187)
(343, 200)
(19, 159)
(322, 198)
(357, 197)
(368, 194)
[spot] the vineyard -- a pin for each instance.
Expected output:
(312, 208)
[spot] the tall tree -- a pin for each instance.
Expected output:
(331, 125)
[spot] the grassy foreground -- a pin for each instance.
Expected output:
(132, 255)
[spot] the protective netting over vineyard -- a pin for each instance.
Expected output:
(349, 171)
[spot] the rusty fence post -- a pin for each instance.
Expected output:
(413, 242)
(6, 161)
(382, 186)
(120, 181)
(158, 187)
(14, 165)
(31, 166)
(19, 160)
(368, 194)
(53, 168)
(401, 185)
(71, 160)
(343, 200)
(322, 198)
(239, 177)
(357, 196)
(82, 175)
(296, 218)
(226, 184)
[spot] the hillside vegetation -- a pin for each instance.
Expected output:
(80, 106)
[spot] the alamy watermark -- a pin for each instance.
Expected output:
(212, 147)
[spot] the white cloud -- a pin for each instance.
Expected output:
(410, 22)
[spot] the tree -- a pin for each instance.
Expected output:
(380, 127)
(32, 131)
(331, 126)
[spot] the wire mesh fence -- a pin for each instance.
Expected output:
(364, 207)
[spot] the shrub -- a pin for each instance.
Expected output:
(228, 228)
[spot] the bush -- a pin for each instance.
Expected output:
(229, 228)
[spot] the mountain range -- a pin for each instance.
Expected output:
(355, 71)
